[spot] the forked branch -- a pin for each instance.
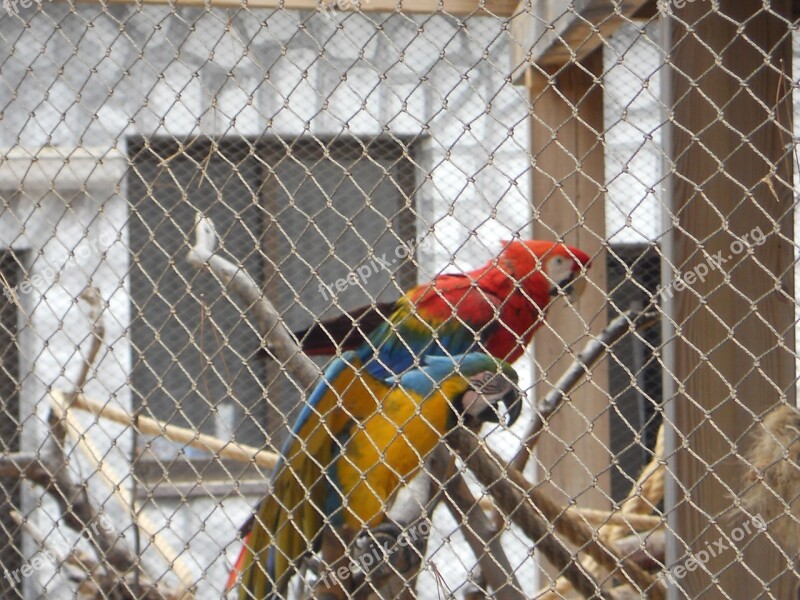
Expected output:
(595, 349)
(284, 347)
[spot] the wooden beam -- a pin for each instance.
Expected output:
(569, 205)
(500, 8)
(554, 33)
(731, 358)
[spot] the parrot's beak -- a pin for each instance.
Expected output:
(477, 407)
(575, 288)
(513, 402)
(572, 286)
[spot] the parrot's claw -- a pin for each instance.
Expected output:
(387, 549)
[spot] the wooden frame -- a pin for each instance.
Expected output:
(567, 190)
(499, 8)
(732, 356)
(554, 33)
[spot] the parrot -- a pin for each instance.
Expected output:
(356, 440)
(495, 309)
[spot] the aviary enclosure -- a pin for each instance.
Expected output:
(207, 204)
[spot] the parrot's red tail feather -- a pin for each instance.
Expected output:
(236, 571)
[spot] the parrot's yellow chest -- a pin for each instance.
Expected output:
(389, 447)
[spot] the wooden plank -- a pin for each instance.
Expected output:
(554, 33)
(732, 358)
(569, 205)
(500, 8)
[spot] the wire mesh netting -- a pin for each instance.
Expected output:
(463, 299)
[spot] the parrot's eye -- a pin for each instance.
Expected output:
(561, 273)
(490, 384)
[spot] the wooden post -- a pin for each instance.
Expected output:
(732, 358)
(568, 205)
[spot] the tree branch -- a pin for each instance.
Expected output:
(22, 464)
(630, 320)
(513, 501)
(278, 338)
(122, 494)
(285, 348)
(517, 498)
(179, 435)
(494, 565)
(73, 499)
(56, 478)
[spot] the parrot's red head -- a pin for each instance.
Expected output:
(544, 269)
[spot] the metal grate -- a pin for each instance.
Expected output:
(203, 207)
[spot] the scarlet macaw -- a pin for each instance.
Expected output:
(353, 443)
(495, 309)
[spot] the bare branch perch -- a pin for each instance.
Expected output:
(633, 522)
(498, 574)
(278, 338)
(78, 512)
(517, 498)
(285, 348)
(56, 477)
(179, 435)
(122, 494)
(91, 295)
(630, 320)
(22, 464)
(512, 501)
(441, 482)
(644, 496)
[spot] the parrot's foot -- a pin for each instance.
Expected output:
(386, 550)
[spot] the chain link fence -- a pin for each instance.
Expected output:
(205, 206)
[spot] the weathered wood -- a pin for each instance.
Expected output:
(732, 357)
(511, 499)
(180, 435)
(117, 552)
(554, 33)
(500, 576)
(539, 517)
(647, 551)
(23, 464)
(568, 204)
(501, 8)
(234, 278)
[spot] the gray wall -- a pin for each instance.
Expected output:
(75, 83)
